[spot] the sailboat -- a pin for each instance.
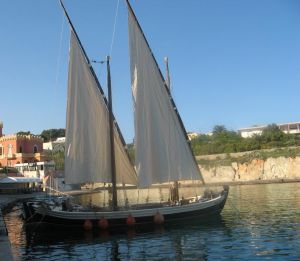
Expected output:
(95, 149)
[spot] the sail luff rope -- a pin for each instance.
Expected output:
(114, 29)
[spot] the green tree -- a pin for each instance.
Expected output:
(23, 133)
(272, 136)
(219, 129)
(52, 134)
(272, 133)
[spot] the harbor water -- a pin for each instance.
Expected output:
(259, 222)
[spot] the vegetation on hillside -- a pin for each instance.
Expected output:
(224, 141)
(291, 152)
(59, 159)
(131, 152)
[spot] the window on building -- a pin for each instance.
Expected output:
(20, 149)
(9, 150)
(1, 150)
(35, 149)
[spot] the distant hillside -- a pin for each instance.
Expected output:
(224, 141)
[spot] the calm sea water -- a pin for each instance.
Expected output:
(259, 222)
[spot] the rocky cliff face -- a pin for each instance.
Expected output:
(270, 169)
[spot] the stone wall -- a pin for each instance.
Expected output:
(256, 170)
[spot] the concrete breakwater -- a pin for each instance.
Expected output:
(5, 247)
(256, 170)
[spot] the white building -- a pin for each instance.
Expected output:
(57, 145)
(192, 135)
(291, 128)
(36, 170)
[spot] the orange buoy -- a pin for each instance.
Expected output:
(130, 221)
(158, 218)
(103, 223)
(88, 225)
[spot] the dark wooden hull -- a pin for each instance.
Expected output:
(118, 219)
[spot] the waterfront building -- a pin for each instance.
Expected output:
(289, 128)
(40, 169)
(18, 148)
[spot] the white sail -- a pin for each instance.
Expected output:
(87, 157)
(162, 152)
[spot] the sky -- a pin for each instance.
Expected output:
(233, 63)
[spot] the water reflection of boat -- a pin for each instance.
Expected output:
(95, 148)
(175, 239)
(48, 235)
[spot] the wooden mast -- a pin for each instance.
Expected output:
(112, 143)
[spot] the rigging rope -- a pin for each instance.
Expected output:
(114, 29)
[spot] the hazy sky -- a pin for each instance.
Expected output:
(235, 63)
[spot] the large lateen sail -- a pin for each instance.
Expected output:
(162, 151)
(87, 156)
